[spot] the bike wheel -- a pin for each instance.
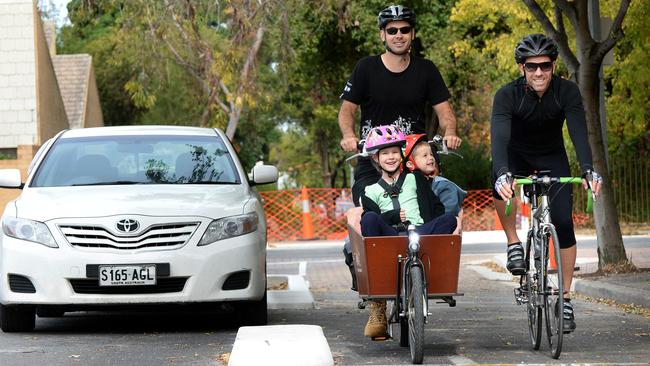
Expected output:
(533, 307)
(553, 296)
(415, 311)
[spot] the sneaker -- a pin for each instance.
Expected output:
(377, 324)
(516, 264)
(569, 317)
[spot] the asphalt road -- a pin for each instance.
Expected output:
(485, 327)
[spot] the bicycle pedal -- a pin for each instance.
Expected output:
(520, 296)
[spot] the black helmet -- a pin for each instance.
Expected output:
(535, 45)
(393, 13)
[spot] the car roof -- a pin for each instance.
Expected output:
(140, 130)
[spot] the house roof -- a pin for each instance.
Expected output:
(72, 74)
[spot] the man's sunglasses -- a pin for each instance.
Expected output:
(532, 66)
(393, 31)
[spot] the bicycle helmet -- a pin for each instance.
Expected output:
(381, 137)
(394, 13)
(535, 45)
(411, 141)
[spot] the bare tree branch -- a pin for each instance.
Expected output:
(615, 33)
(250, 59)
(559, 37)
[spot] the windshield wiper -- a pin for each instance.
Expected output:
(208, 182)
(113, 183)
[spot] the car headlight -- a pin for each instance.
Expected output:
(28, 230)
(229, 227)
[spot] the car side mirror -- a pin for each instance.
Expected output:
(10, 178)
(263, 174)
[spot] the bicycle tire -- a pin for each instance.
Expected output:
(415, 311)
(533, 308)
(553, 296)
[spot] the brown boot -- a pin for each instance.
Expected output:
(377, 324)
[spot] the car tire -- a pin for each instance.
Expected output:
(49, 312)
(17, 318)
(253, 313)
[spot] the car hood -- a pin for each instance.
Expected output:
(212, 201)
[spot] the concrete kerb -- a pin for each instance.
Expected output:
(633, 292)
(299, 345)
(296, 296)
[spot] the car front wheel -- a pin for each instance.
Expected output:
(17, 318)
(253, 312)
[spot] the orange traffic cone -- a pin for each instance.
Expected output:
(307, 223)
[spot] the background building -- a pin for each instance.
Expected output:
(41, 93)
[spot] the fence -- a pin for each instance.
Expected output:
(631, 183)
(319, 213)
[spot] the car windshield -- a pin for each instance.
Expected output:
(109, 160)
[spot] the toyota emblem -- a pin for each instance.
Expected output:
(127, 225)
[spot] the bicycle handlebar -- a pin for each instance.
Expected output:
(546, 180)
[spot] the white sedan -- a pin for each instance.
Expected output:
(133, 215)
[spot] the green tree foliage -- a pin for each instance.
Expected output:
(94, 30)
(628, 83)
(180, 62)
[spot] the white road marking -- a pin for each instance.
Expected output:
(302, 269)
(460, 360)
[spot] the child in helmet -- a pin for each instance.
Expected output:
(420, 156)
(397, 198)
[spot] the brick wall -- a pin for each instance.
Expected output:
(17, 74)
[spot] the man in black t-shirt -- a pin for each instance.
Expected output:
(393, 88)
(526, 133)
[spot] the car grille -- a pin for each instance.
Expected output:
(161, 235)
(163, 285)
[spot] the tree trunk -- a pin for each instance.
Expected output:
(608, 229)
(321, 145)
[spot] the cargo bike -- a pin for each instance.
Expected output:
(407, 271)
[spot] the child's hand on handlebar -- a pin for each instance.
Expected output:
(402, 215)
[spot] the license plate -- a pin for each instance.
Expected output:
(132, 275)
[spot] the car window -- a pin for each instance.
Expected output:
(136, 160)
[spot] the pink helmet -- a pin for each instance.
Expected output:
(384, 136)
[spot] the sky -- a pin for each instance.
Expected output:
(61, 7)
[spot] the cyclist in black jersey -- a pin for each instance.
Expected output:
(526, 136)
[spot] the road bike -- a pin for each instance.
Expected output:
(541, 288)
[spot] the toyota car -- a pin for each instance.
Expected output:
(125, 216)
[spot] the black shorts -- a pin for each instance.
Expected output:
(560, 196)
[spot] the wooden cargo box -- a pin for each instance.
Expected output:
(375, 261)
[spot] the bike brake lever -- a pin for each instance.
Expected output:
(439, 141)
(357, 155)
